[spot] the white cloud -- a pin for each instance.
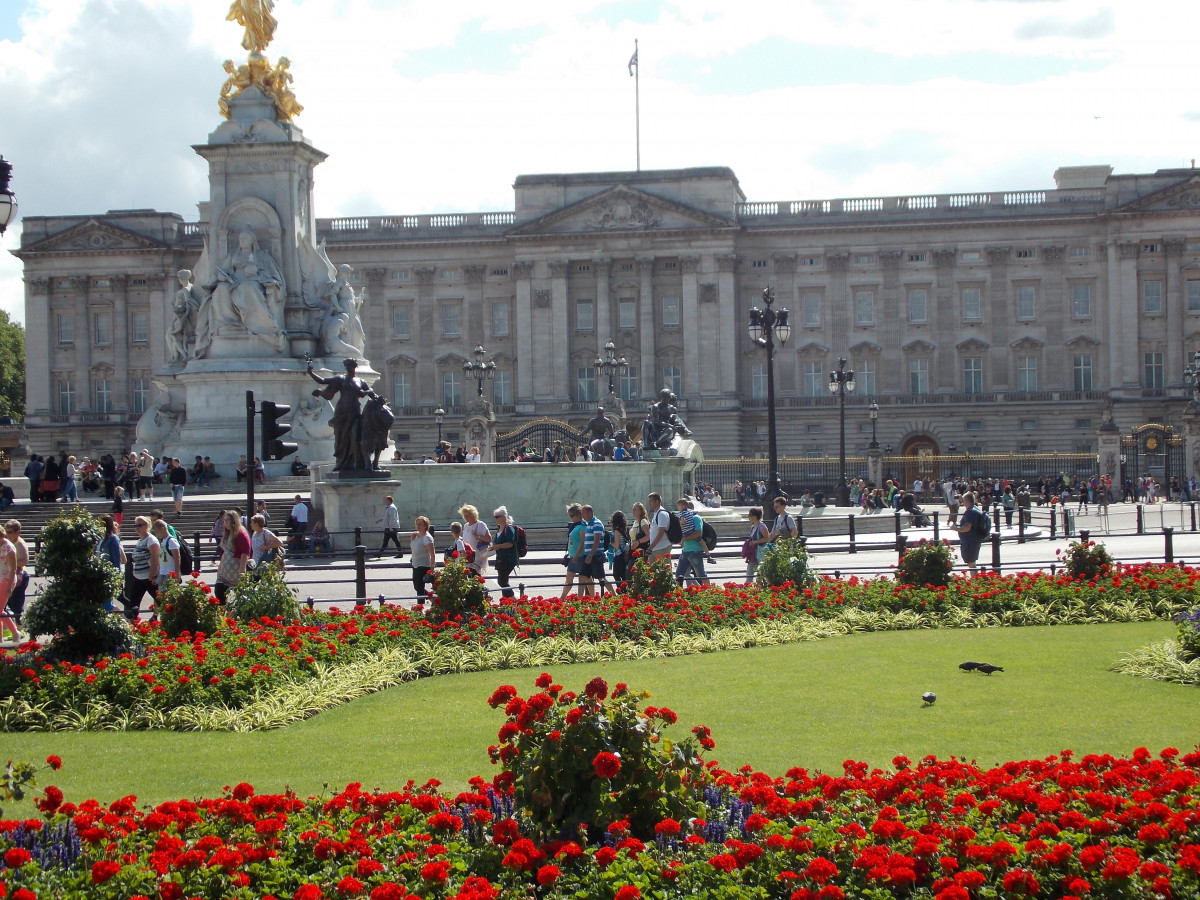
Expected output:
(101, 100)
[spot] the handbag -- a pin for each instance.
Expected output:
(49, 484)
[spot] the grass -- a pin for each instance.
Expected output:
(812, 704)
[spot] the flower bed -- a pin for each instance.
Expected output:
(1100, 826)
(296, 668)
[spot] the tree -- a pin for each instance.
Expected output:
(12, 368)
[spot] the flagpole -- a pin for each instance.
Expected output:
(637, 104)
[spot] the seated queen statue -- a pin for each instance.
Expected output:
(249, 293)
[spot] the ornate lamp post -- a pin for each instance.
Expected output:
(841, 382)
(873, 409)
(479, 370)
(765, 326)
(8, 200)
(438, 415)
(609, 364)
(1191, 377)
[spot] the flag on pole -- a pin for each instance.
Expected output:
(633, 62)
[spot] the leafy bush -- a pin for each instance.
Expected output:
(1086, 562)
(653, 579)
(786, 562)
(263, 593)
(926, 562)
(72, 606)
(188, 606)
(458, 591)
(576, 763)
(1189, 633)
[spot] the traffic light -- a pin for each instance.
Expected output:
(273, 430)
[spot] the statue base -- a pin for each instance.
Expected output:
(359, 474)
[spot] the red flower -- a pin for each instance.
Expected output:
(667, 826)
(349, 886)
(547, 875)
(723, 862)
(597, 689)
(24, 894)
(389, 890)
(1021, 881)
(628, 892)
(437, 871)
(54, 762)
(606, 764)
(16, 857)
(103, 870)
(308, 892)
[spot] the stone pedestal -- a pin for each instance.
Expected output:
(1191, 438)
(346, 505)
(875, 467)
(1108, 452)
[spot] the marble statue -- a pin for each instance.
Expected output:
(601, 430)
(159, 425)
(341, 329)
(186, 307)
(347, 413)
(663, 423)
(249, 293)
(311, 420)
(254, 16)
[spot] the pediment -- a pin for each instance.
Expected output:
(972, 345)
(1082, 340)
(863, 348)
(621, 209)
(918, 346)
(812, 347)
(92, 236)
(1027, 343)
(1184, 195)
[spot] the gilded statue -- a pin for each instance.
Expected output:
(273, 82)
(255, 16)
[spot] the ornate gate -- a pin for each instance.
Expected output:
(539, 435)
(1155, 450)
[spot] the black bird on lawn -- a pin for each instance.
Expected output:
(969, 666)
(988, 668)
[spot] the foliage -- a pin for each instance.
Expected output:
(1189, 633)
(19, 775)
(926, 563)
(786, 562)
(1086, 562)
(1162, 661)
(12, 368)
(263, 593)
(457, 591)
(72, 606)
(188, 607)
(576, 763)
(652, 580)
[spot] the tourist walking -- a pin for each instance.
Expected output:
(640, 531)
(168, 567)
(145, 476)
(660, 522)
(574, 557)
(757, 540)
(391, 526)
(298, 525)
(622, 549)
(785, 525)
(70, 488)
(592, 572)
(16, 598)
(235, 554)
(505, 548)
(178, 478)
(109, 548)
(144, 577)
(265, 545)
(8, 573)
(478, 536)
(969, 537)
(691, 553)
(420, 545)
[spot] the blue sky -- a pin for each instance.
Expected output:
(437, 106)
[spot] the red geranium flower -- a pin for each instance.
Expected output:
(606, 764)
(54, 762)
(628, 892)
(16, 857)
(103, 870)
(547, 875)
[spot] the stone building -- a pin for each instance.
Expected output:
(994, 321)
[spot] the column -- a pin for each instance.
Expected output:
(39, 347)
(477, 315)
(83, 348)
(602, 269)
(840, 308)
(426, 391)
(1123, 311)
(523, 326)
(888, 316)
(121, 401)
(731, 328)
(1174, 316)
(647, 322)
(1058, 362)
(560, 377)
(689, 321)
(941, 316)
(996, 317)
(375, 324)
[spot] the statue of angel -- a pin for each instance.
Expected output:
(255, 16)
(338, 324)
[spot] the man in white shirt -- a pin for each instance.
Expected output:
(297, 525)
(660, 521)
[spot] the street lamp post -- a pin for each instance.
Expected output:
(8, 200)
(438, 415)
(765, 326)
(874, 412)
(1191, 377)
(610, 365)
(479, 370)
(841, 382)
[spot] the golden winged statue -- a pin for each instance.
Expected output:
(255, 16)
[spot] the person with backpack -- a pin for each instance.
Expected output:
(168, 565)
(662, 523)
(971, 530)
(756, 544)
(505, 548)
(622, 548)
(692, 551)
(785, 525)
(595, 537)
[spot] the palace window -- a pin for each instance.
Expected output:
(1027, 373)
(864, 377)
(103, 391)
(810, 310)
(918, 302)
(450, 320)
(1081, 301)
(139, 331)
(502, 389)
(66, 395)
(972, 307)
(627, 313)
(451, 389)
(585, 316)
(1153, 376)
(1193, 297)
(1026, 302)
(402, 389)
(973, 375)
(814, 381)
(1082, 367)
(585, 384)
(139, 392)
(65, 325)
(627, 384)
(401, 314)
(101, 329)
(758, 381)
(672, 379)
(500, 318)
(1152, 298)
(918, 376)
(864, 308)
(670, 312)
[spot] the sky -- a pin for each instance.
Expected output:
(429, 106)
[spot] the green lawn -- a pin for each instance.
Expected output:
(812, 704)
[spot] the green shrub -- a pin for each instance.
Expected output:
(458, 591)
(926, 563)
(1189, 633)
(653, 579)
(262, 593)
(188, 606)
(72, 606)
(1086, 562)
(584, 762)
(786, 562)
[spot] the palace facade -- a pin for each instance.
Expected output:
(994, 321)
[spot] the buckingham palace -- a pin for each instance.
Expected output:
(1000, 320)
